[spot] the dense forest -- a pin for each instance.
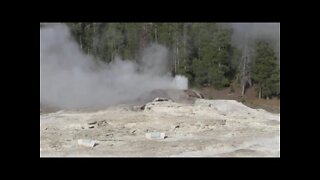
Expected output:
(203, 52)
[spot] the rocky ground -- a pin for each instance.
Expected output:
(203, 128)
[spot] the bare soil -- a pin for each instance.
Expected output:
(250, 99)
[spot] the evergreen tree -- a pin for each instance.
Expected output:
(213, 45)
(265, 70)
(200, 51)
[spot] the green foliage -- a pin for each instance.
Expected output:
(214, 61)
(200, 70)
(265, 70)
(200, 51)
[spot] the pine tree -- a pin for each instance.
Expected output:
(212, 46)
(265, 70)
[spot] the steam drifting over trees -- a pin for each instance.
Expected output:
(208, 54)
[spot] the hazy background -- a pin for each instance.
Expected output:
(71, 79)
(246, 33)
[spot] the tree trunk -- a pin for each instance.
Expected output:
(81, 42)
(175, 66)
(155, 34)
(174, 59)
(243, 88)
(178, 56)
(243, 80)
(82, 28)
(184, 45)
(111, 56)
(260, 92)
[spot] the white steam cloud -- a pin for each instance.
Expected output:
(245, 33)
(71, 79)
